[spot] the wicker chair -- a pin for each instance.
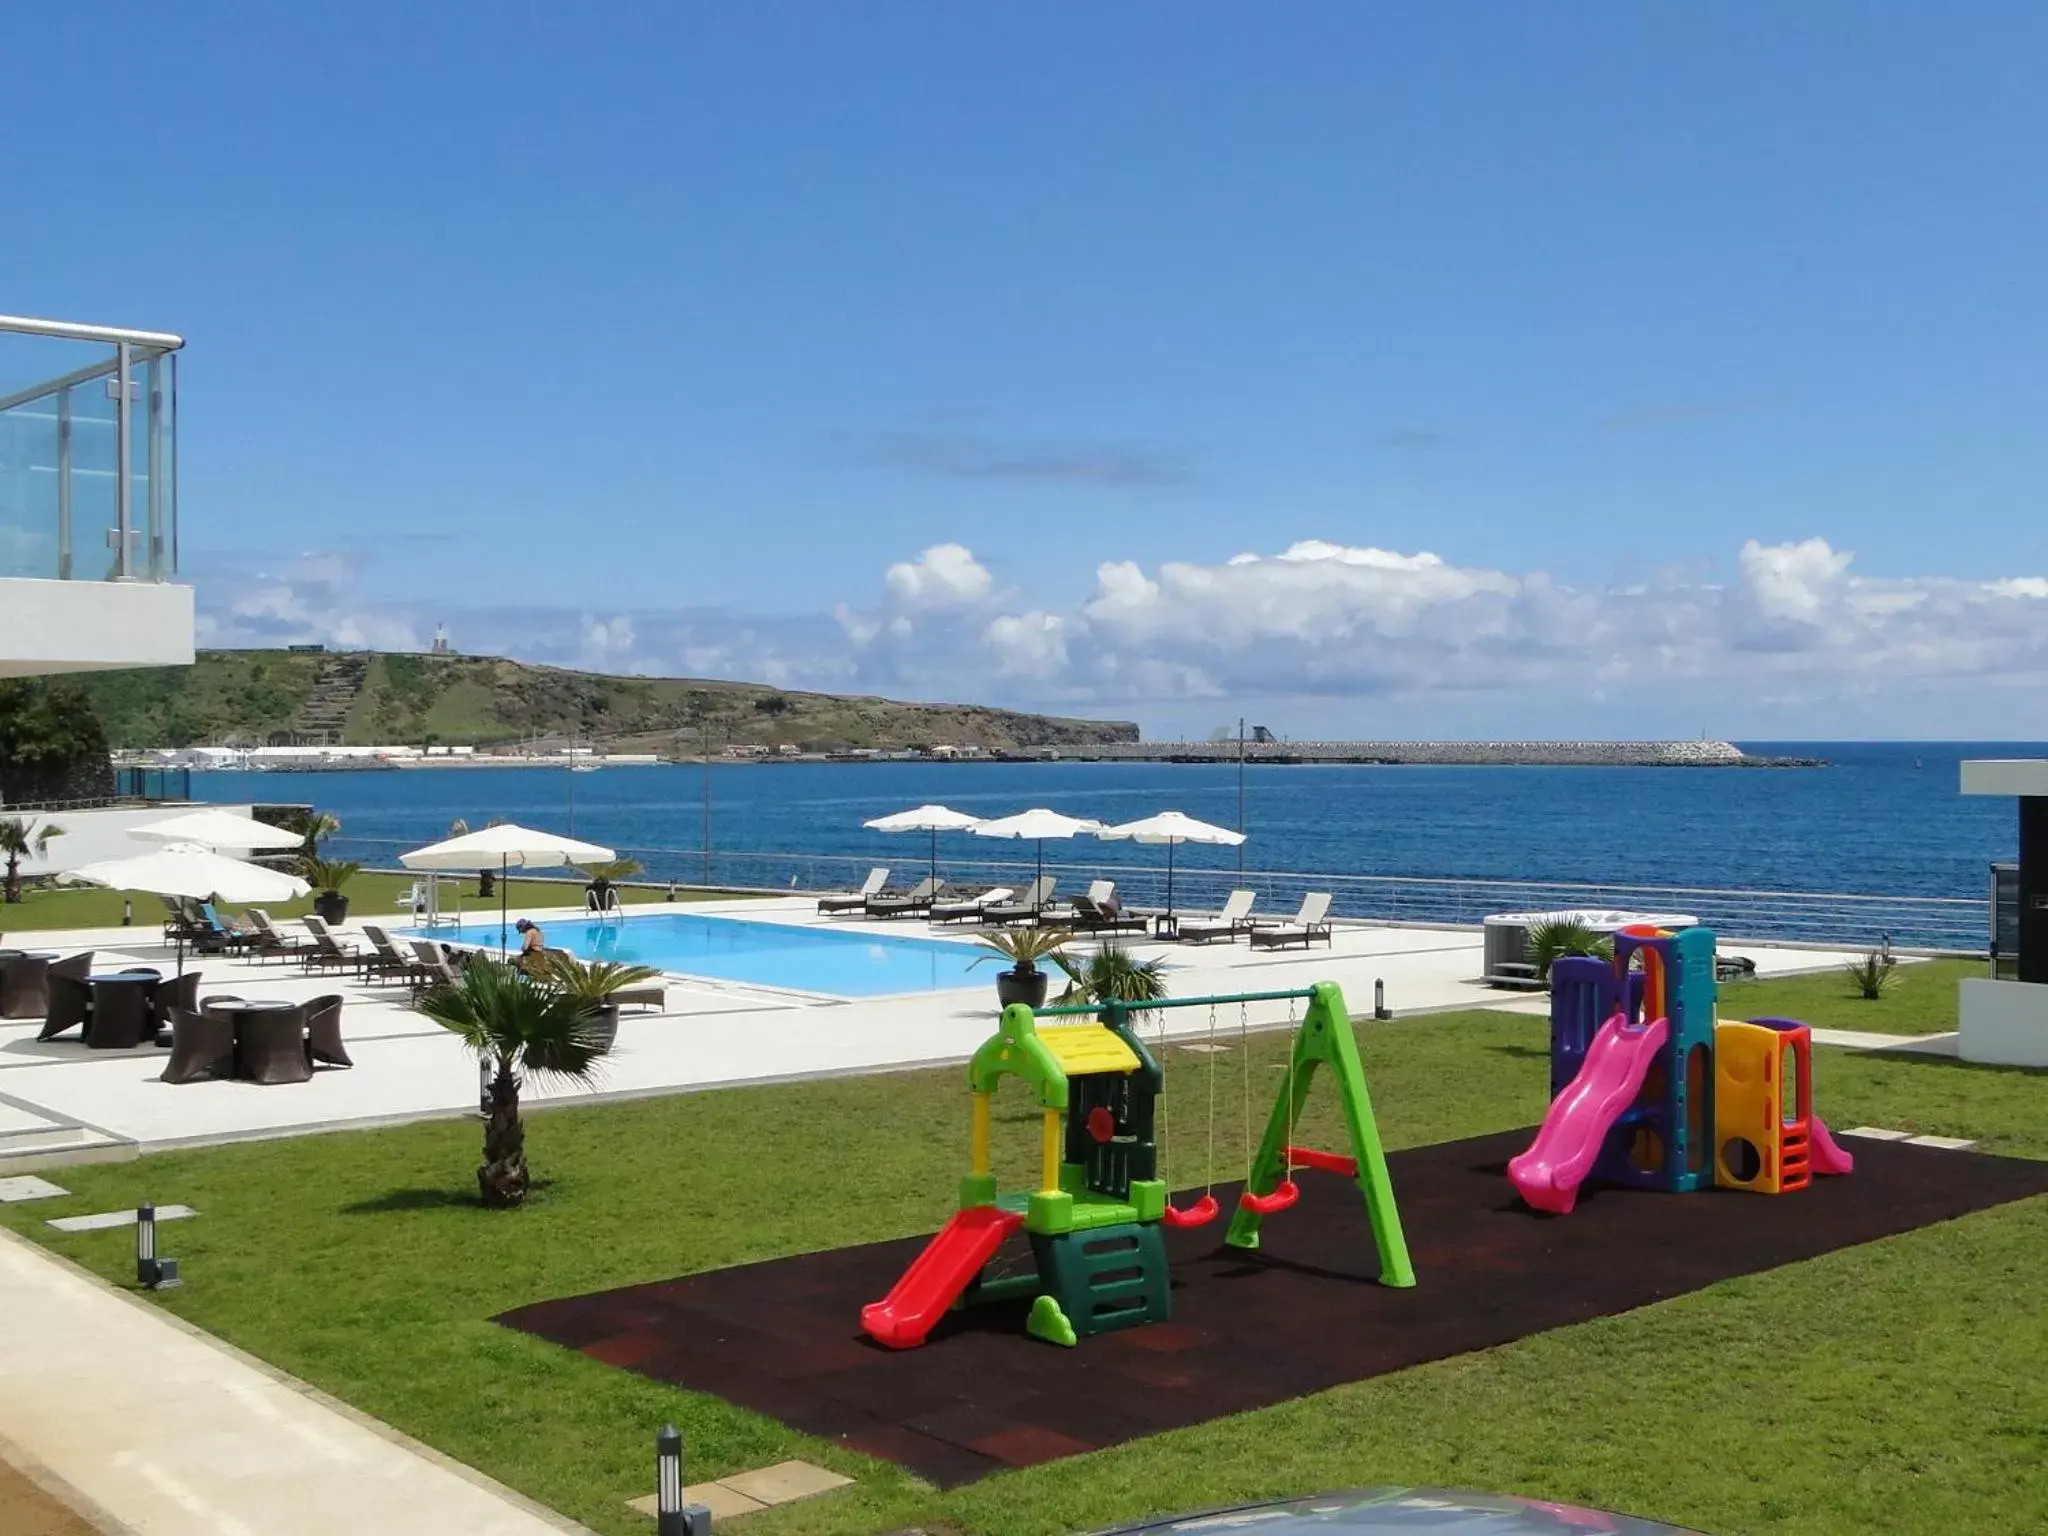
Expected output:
(120, 1016)
(68, 1006)
(202, 1047)
(323, 1032)
(273, 1046)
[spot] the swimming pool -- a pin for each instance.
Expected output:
(846, 962)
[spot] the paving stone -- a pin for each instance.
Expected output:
(28, 1187)
(785, 1481)
(723, 1502)
(1941, 1143)
(102, 1221)
(1202, 1047)
(1876, 1134)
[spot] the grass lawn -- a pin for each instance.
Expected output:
(1922, 1001)
(89, 906)
(1867, 1390)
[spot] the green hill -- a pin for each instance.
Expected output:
(258, 697)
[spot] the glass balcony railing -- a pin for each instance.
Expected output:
(88, 452)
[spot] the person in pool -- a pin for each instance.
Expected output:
(532, 943)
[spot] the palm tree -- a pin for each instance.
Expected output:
(1111, 974)
(486, 879)
(521, 1025)
(320, 825)
(18, 843)
(604, 876)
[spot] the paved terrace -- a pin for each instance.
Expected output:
(59, 1100)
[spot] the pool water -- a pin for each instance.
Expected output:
(845, 962)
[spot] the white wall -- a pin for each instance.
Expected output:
(85, 626)
(90, 836)
(2004, 1022)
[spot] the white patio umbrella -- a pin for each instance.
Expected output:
(1172, 828)
(509, 847)
(218, 829)
(1038, 825)
(926, 818)
(186, 869)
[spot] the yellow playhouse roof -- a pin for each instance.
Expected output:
(1081, 1049)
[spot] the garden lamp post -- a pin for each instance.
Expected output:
(151, 1272)
(672, 1517)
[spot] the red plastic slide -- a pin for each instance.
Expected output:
(1825, 1156)
(1548, 1175)
(937, 1276)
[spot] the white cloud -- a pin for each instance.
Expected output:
(1793, 623)
(944, 576)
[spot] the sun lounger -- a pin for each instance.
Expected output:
(1310, 923)
(436, 969)
(915, 903)
(974, 909)
(272, 940)
(325, 952)
(1235, 918)
(387, 960)
(648, 994)
(1030, 908)
(857, 901)
(1087, 916)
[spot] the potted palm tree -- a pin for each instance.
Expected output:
(1560, 937)
(519, 1026)
(602, 877)
(593, 983)
(1112, 974)
(19, 842)
(327, 877)
(1023, 982)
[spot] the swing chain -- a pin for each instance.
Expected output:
(1287, 1154)
(1244, 1051)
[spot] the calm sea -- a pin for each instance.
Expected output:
(1885, 818)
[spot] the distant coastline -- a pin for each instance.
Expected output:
(1529, 754)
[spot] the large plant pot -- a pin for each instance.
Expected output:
(332, 907)
(604, 1024)
(1022, 987)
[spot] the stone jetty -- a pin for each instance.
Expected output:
(1573, 754)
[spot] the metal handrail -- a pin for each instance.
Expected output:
(71, 330)
(1147, 1005)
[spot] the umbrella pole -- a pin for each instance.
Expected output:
(935, 861)
(504, 864)
(1169, 877)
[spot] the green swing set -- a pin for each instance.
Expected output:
(1094, 1223)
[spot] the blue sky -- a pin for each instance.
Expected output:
(673, 338)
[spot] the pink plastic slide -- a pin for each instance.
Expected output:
(1823, 1155)
(1548, 1175)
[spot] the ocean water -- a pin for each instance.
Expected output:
(1884, 819)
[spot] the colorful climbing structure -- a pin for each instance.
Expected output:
(1650, 1089)
(1094, 1222)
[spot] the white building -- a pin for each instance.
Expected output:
(89, 499)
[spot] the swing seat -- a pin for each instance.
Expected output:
(1284, 1195)
(1200, 1214)
(1328, 1162)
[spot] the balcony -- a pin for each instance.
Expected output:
(89, 499)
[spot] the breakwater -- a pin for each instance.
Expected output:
(1554, 754)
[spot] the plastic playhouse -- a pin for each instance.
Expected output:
(1097, 1253)
(1650, 1089)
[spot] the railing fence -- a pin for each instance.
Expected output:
(1816, 917)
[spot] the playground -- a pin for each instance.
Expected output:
(1247, 1331)
(721, 1239)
